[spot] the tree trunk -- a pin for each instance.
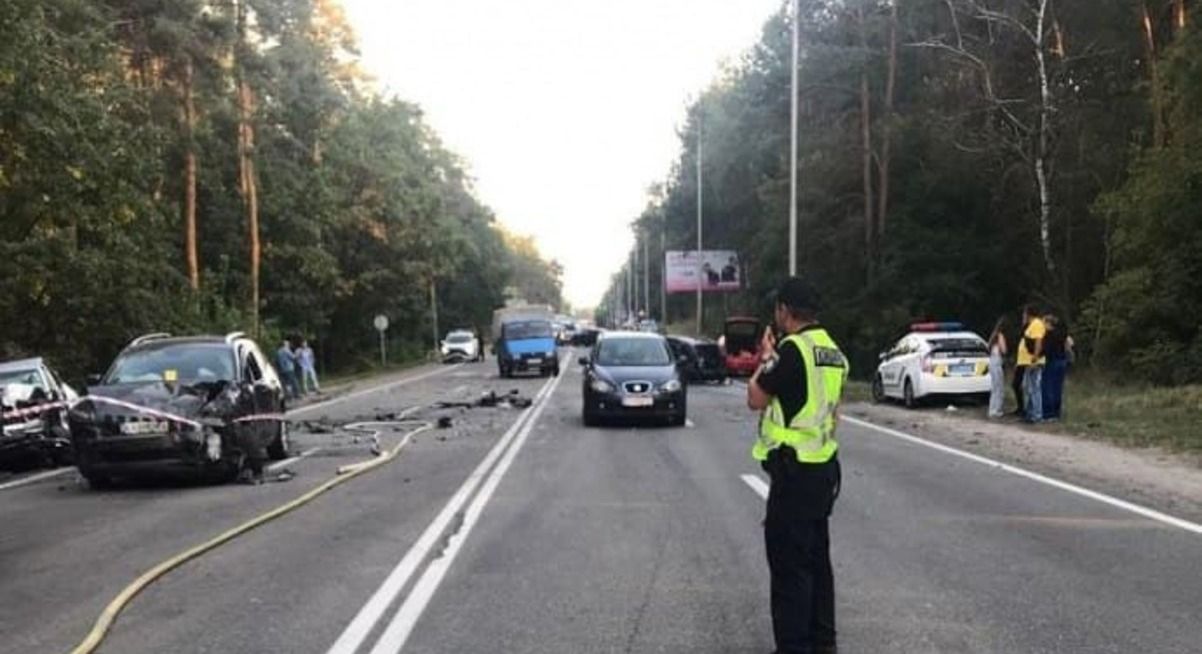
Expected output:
(866, 155)
(1158, 131)
(189, 129)
(887, 126)
(246, 169)
(1179, 14)
(1042, 155)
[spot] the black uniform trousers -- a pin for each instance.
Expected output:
(797, 538)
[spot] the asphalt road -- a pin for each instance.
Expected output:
(523, 531)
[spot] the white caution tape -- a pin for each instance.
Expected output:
(33, 410)
(163, 415)
(263, 417)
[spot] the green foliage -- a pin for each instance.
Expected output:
(1145, 317)
(960, 237)
(362, 210)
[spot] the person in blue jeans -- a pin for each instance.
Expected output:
(1057, 349)
(286, 363)
(1031, 360)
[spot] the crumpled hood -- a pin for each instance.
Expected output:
(182, 400)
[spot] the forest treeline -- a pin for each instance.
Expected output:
(957, 159)
(209, 165)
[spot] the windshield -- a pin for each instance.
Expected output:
(958, 347)
(29, 377)
(633, 352)
(516, 331)
(459, 337)
(188, 363)
(742, 329)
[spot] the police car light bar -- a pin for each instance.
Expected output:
(937, 327)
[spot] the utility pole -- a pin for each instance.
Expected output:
(792, 145)
(700, 115)
(646, 278)
(634, 272)
(663, 277)
(434, 311)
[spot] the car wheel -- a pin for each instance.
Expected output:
(279, 448)
(908, 395)
(555, 371)
(588, 418)
(878, 389)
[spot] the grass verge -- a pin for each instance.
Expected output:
(1139, 416)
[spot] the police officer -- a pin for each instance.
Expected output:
(798, 387)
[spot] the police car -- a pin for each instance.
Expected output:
(934, 358)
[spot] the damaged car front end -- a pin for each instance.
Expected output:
(121, 431)
(189, 412)
(33, 407)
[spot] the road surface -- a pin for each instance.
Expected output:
(523, 531)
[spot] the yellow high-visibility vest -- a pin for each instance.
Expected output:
(811, 433)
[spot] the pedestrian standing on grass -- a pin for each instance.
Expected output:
(285, 362)
(1058, 347)
(998, 348)
(1031, 358)
(308, 368)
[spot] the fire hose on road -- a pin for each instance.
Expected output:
(344, 474)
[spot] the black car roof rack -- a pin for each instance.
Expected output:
(233, 336)
(146, 338)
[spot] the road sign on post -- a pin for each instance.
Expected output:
(381, 324)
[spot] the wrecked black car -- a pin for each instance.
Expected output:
(33, 416)
(208, 405)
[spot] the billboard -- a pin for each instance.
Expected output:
(720, 271)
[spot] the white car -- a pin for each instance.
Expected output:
(939, 358)
(461, 345)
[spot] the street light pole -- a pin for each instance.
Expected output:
(793, 144)
(646, 278)
(700, 115)
(663, 277)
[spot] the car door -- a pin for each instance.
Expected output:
(891, 366)
(255, 381)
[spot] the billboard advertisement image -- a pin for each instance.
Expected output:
(720, 271)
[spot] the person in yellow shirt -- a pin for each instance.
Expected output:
(1031, 360)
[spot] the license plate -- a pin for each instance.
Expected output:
(637, 401)
(962, 369)
(534, 362)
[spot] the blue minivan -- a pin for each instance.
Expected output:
(526, 344)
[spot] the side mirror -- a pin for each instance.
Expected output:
(882, 356)
(682, 359)
(582, 361)
(93, 379)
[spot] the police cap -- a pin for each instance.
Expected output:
(796, 294)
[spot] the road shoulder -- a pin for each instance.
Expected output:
(1166, 481)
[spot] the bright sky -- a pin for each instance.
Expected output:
(565, 111)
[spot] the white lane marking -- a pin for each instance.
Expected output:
(757, 484)
(1137, 509)
(411, 609)
(289, 461)
(374, 389)
(33, 479)
(367, 617)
